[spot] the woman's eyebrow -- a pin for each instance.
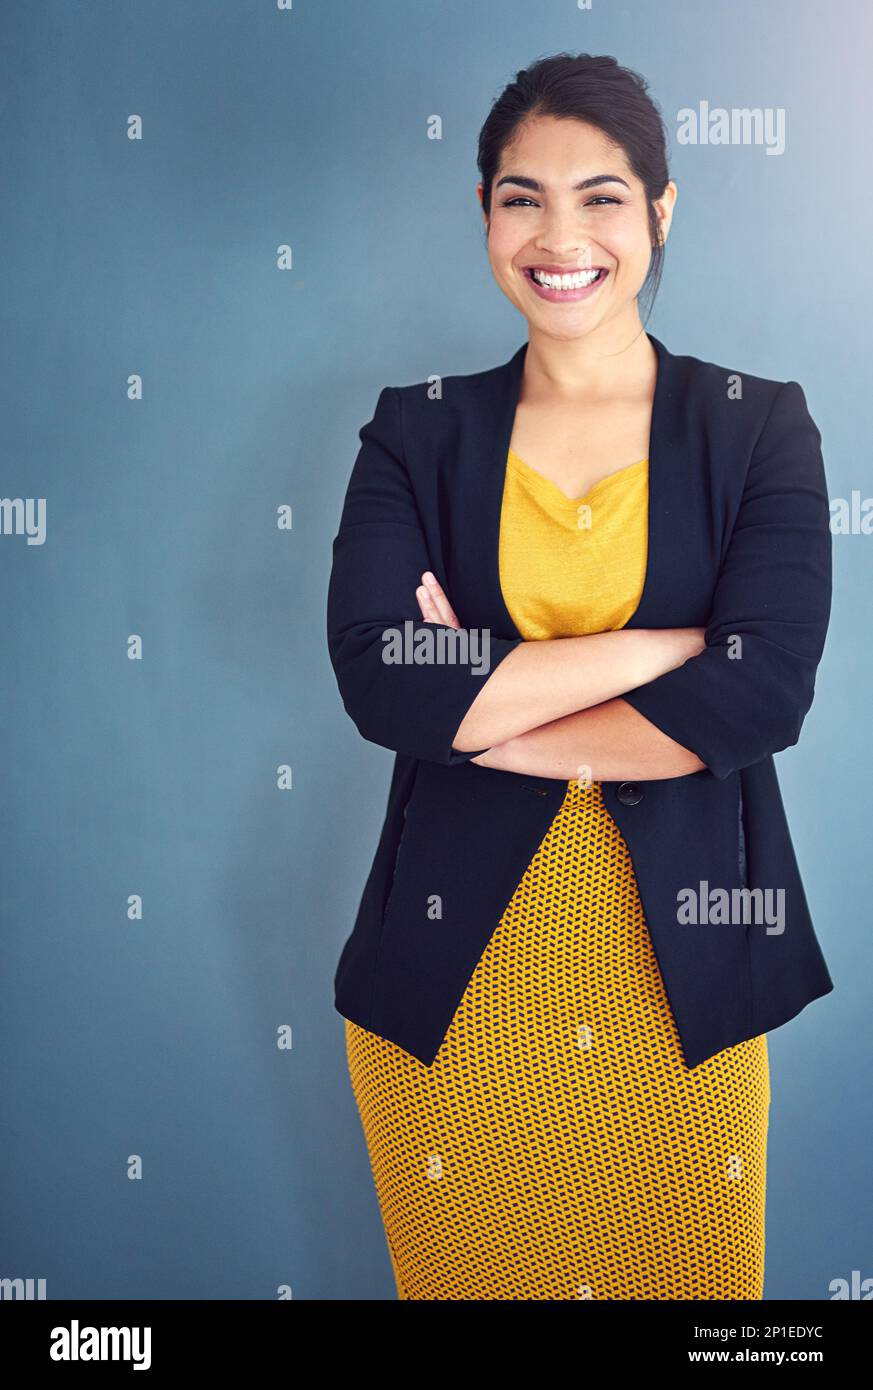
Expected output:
(536, 187)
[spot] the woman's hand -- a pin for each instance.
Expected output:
(435, 607)
(676, 645)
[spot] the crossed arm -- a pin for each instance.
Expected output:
(646, 704)
(552, 708)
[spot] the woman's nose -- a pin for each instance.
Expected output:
(563, 239)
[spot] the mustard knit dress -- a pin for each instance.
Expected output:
(559, 1147)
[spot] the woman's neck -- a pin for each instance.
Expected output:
(613, 360)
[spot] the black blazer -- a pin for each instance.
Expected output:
(739, 543)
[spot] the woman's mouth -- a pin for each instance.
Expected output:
(562, 287)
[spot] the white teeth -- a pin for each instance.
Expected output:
(577, 280)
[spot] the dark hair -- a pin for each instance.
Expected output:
(598, 91)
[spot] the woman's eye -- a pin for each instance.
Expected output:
(601, 200)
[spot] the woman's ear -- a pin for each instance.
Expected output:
(480, 193)
(664, 209)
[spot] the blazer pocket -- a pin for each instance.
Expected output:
(399, 850)
(741, 836)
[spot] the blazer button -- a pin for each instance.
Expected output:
(629, 793)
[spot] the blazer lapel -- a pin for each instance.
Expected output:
(672, 582)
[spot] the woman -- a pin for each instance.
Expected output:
(584, 912)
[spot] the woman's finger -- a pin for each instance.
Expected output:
(425, 603)
(441, 603)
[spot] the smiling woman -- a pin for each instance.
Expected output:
(563, 1084)
(560, 283)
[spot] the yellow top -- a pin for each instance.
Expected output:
(572, 565)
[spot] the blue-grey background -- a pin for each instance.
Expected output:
(157, 257)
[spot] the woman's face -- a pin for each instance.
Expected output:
(543, 221)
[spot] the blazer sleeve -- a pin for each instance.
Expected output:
(737, 702)
(379, 555)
